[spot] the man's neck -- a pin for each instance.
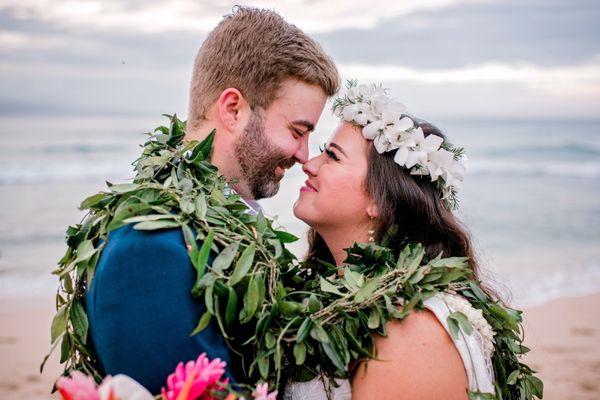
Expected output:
(223, 155)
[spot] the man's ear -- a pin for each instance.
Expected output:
(233, 109)
(373, 210)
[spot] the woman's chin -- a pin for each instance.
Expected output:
(301, 212)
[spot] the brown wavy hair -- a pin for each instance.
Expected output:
(411, 204)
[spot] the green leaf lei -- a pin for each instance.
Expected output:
(298, 320)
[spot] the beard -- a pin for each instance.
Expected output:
(258, 158)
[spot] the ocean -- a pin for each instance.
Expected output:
(531, 197)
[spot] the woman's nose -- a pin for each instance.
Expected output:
(311, 167)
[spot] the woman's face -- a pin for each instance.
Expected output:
(334, 194)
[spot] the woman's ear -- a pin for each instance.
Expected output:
(373, 210)
(233, 110)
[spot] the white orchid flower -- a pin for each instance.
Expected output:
(439, 162)
(123, 387)
(423, 146)
(382, 144)
(349, 112)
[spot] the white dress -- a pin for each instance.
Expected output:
(475, 351)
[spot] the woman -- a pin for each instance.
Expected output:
(383, 168)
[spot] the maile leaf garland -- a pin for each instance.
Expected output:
(175, 187)
(296, 320)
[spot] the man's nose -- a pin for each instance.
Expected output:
(302, 152)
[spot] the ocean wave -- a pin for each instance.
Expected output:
(571, 150)
(563, 169)
(71, 172)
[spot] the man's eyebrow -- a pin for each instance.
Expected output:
(307, 124)
(337, 146)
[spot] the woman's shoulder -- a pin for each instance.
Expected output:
(417, 359)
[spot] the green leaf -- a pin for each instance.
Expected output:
(152, 217)
(453, 325)
(354, 279)
(251, 299)
(122, 188)
(91, 201)
(300, 353)
(200, 258)
(203, 323)
(155, 225)
(263, 367)
(289, 308)
(367, 290)
(328, 287)
(261, 222)
(333, 354)
(186, 204)
(319, 333)
(270, 340)
(230, 311)
(314, 304)
(85, 251)
(225, 257)
(477, 292)
(243, 264)
(285, 237)
(374, 320)
(512, 378)
(80, 321)
(188, 236)
(304, 330)
(202, 149)
(200, 206)
(124, 211)
(536, 385)
(59, 324)
(65, 348)
(463, 322)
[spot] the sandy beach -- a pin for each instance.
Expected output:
(564, 336)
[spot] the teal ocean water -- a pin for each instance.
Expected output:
(531, 197)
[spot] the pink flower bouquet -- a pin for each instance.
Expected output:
(196, 380)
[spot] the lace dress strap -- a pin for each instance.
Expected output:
(473, 349)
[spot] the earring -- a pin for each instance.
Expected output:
(371, 233)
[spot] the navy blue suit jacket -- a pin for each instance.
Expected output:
(140, 309)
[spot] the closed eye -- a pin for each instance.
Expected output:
(297, 132)
(329, 153)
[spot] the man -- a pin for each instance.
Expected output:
(262, 84)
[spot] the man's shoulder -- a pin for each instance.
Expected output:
(126, 238)
(130, 252)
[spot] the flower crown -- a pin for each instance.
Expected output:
(386, 122)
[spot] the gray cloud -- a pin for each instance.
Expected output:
(87, 70)
(544, 32)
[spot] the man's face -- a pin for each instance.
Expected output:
(275, 139)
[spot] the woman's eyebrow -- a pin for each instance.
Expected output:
(337, 146)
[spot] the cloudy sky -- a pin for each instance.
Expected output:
(450, 58)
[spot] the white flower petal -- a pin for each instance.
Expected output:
(361, 119)
(401, 156)
(381, 144)
(371, 130)
(349, 112)
(123, 387)
(405, 123)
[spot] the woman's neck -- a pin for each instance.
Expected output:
(339, 239)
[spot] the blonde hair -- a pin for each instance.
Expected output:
(255, 51)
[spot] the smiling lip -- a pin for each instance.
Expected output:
(308, 187)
